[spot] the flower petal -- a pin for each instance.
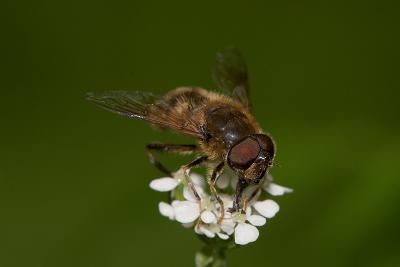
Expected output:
(206, 232)
(223, 236)
(197, 229)
(248, 211)
(188, 193)
(197, 180)
(277, 190)
(164, 184)
(245, 233)
(257, 220)
(227, 225)
(227, 200)
(166, 210)
(208, 217)
(186, 211)
(267, 208)
(223, 180)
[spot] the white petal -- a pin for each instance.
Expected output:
(207, 232)
(197, 230)
(208, 203)
(223, 180)
(245, 233)
(208, 217)
(267, 208)
(197, 180)
(257, 220)
(227, 200)
(178, 174)
(188, 193)
(248, 211)
(227, 225)
(174, 203)
(186, 211)
(277, 190)
(166, 210)
(223, 236)
(164, 184)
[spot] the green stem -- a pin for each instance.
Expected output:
(211, 257)
(213, 254)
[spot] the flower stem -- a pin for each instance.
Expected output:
(211, 257)
(213, 254)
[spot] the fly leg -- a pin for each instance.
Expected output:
(169, 148)
(253, 194)
(240, 186)
(211, 182)
(186, 169)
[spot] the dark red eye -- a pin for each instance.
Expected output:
(243, 154)
(267, 144)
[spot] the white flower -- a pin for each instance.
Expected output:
(166, 210)
(186, 211)
(203, 214)
(267, 208)
(166, 184)
(208, 217)
(244, 226)
(275, 189)
(190, 210)
(228, 177)
(209, 230)
(247, 232)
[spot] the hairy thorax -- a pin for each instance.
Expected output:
(219, 120)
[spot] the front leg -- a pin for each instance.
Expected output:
(211, 182)
(253, 194)
(186, 169)
(240, 186)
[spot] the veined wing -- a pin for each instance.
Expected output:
(144, 106)
(231, 76)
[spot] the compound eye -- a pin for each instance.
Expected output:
(266, 144)
(243, 154)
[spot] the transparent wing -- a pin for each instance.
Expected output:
(143, 106)
(133, 104)
(231, 77)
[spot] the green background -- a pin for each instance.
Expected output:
(74, 179)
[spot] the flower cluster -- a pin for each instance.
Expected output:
(207, 217)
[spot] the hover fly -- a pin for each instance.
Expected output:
(227, 134)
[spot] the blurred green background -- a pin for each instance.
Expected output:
(74, 179)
